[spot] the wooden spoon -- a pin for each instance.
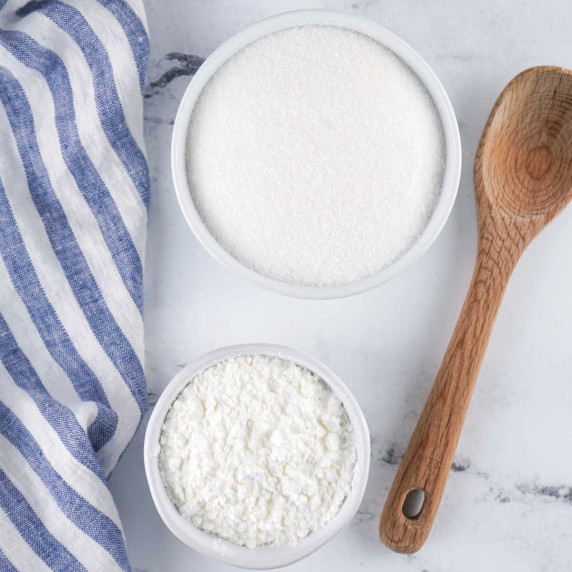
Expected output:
(523, 178)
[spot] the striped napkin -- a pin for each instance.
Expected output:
(74, 190)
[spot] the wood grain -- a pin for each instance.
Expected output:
(523, 178)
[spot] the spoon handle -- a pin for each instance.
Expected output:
(430, 452)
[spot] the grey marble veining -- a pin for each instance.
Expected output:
(508, 502)
(178, 65)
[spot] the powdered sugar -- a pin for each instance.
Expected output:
(257, 450)
(315, 156)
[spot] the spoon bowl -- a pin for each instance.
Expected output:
(525, 155)
(523, 178)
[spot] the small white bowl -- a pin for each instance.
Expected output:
(262, 557)
(400, 48)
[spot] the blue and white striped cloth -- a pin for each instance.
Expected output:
(74, 190)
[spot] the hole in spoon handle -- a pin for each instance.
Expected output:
(413, 504)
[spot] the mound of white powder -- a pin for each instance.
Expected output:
(257, 450)
(315, 156)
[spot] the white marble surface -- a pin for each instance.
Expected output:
(508, 503)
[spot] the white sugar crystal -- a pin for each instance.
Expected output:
(315, 156)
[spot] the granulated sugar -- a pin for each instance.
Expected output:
(315, 156)
(257, 450)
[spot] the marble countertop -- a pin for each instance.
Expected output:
(508, 502)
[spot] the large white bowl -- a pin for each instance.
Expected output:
(400, 48)
(262, 557)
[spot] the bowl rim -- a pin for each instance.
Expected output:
(264, 557)
(453, 152)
